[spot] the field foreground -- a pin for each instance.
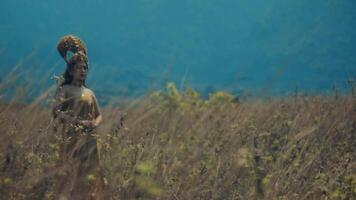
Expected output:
(172, 147)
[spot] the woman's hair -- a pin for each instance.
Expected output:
(78, 57)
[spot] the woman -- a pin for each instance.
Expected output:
(78, 114)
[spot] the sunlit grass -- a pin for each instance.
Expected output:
(172, 145)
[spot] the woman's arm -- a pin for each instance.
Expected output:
(58, 107)
(98, 120)
(98, 117)
(97, 113)
(58, 102)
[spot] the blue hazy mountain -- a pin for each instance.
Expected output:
(234, 45)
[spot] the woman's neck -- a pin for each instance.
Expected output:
(77, 83)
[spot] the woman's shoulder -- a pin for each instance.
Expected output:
(69, 89)
(66, 87)
(89, 91)
(62, 89)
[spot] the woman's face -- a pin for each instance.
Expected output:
(79, 71)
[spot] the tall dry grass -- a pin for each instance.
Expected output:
(173, 146)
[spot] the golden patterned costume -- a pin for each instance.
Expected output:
(79, 172)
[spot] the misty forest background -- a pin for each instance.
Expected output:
(202, 99)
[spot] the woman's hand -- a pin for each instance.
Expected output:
(89, 124)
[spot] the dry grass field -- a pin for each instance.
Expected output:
(176, 146)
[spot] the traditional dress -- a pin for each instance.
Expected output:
(79, 172)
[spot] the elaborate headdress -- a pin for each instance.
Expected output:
(72, 49)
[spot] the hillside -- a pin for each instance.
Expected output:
(178, 146)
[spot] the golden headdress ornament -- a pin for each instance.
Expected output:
(71, 48)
